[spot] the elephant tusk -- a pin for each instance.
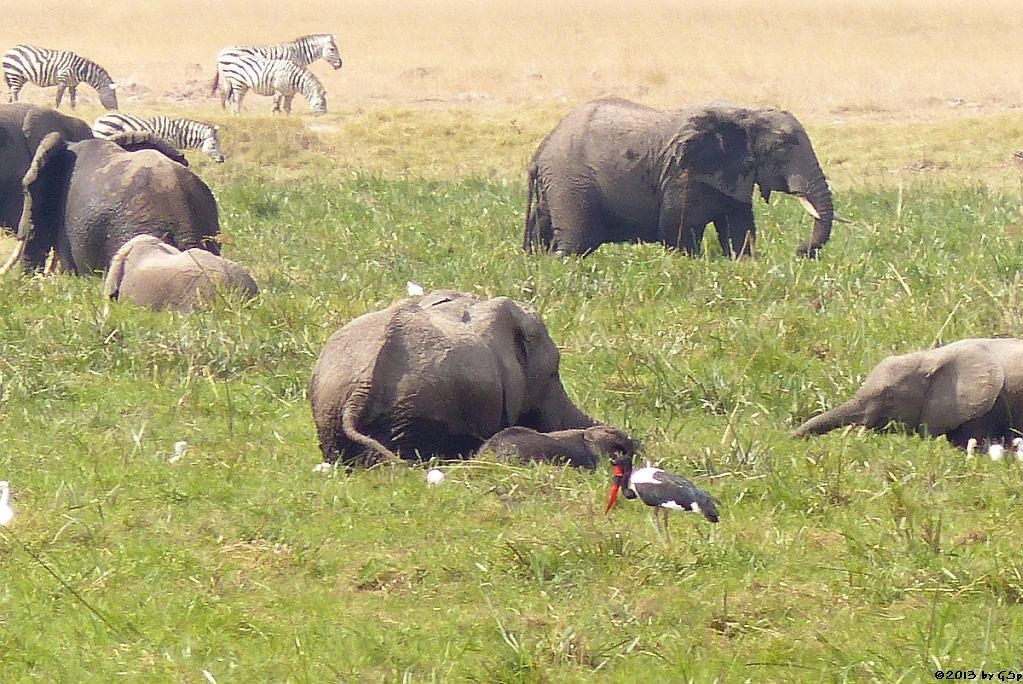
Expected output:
(810, 209)
(842, 219)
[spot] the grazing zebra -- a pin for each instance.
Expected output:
(277, 77)
(182, 133)
(303, 51)
(61, 68)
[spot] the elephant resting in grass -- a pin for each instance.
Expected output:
(85, 199)
(436, 377)
(616, 171)
(583, 448)
(970, 388)
(149, 272)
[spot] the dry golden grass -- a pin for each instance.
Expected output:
(820, 58)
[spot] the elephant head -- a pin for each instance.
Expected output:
(964, 387)
(85, 199)
(732, 148)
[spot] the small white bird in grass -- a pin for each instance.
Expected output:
(996, 451)
(1017, 447)
(323, 467)
(6, 512)
(413, 289)
(180, 448)
(434, 476)
(971, 447)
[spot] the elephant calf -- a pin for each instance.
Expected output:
(436, 376)
(583, 448)
(971, 388)
(149, 272)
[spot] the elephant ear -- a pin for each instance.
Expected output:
(964, 384)
(714, 148)
(133, 141)
(43, 185)
(40, 122)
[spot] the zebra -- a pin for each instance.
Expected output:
(182, 133)
(278, 77)
(303, 51)
(61, 68)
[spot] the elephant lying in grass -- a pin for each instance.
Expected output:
(581, 447)
(971, 388)
(149, 272)
(436, 377)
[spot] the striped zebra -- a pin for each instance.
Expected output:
(303, 51)
(182, 133)
(62, 68)
(277, 77)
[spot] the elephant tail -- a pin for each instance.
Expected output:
(529, 234)
(351, 431)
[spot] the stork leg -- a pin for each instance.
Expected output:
(657, 524)
(667, 535)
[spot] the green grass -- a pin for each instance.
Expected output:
(847, 557)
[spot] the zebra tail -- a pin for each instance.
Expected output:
(215, 85)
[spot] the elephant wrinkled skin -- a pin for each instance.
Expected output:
(583, 448)
(616, 171)
(86, 199)
(437, 376)
(148, 272)
(970, 388)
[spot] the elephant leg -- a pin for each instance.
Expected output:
(736, 231)
(577, 226)
(995, 425)
(682, 222)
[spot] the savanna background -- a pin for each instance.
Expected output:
(849, 557)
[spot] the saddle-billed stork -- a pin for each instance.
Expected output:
(659, 489)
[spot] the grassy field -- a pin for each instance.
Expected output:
(853, 556)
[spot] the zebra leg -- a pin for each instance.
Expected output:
(236, 98)
(287, 103)
(277, 102)
(72, 91)
(60, 94)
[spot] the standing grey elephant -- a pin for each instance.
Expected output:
(149, 272)
(971, 388)
(22, 128)
(438, 376)
(616, 171)
(86, 199)
(581, 447)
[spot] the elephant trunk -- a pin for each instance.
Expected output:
(815, 195)
(559, 413)
(848, 413)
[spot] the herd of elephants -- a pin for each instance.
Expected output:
(447, 374)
